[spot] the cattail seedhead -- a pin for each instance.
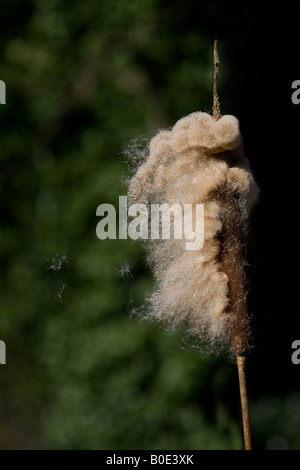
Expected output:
(200, 161)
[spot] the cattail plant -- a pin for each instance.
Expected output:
(201, 161)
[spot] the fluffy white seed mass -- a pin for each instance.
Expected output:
(192, 164)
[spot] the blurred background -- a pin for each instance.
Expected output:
(83, 80)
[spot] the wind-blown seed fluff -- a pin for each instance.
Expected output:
(200, 161)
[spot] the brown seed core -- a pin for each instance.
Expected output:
(232, 260)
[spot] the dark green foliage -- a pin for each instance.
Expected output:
(82, 82)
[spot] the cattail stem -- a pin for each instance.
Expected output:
(216, 102)
(232, 259)
(241, 363)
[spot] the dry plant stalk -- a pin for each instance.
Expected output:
(244, 402)
(201, 161)
(233, 260)
(216, 102)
